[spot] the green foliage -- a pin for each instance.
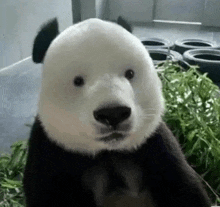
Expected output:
(192, 112)
(11, 174)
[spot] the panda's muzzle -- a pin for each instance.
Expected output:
(113, 137)
(112, 117)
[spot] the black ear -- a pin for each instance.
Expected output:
(121, 21)
(43, 39)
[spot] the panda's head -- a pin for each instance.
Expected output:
(100, 90)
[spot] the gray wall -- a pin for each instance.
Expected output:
(132, 10)
(205, 11)
(88, 9)
(20, 21)
(179, 10)
(102, 9)
(211, 16)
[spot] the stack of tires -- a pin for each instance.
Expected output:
(203, 53)
(160, 50)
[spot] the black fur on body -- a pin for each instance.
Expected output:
(54, 177)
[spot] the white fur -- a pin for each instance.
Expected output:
(100, 52)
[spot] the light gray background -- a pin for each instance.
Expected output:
(20, 20)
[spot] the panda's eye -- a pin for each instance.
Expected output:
(78, 81)
(129, 74)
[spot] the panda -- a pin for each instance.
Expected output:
(98, 139)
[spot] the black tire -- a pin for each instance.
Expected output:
(207, 59)
(187, 44)
(161, 55)
(156, 43)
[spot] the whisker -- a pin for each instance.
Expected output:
(147, 116)
(149, 111)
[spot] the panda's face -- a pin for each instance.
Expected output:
(99, 89)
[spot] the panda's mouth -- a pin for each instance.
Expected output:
(113, 137)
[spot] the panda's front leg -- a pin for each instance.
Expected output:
(57, 191)
(170, 179)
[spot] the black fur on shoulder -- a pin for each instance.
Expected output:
(47, 33)
(121, 21)
(55, 177)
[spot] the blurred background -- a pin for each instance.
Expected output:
(20, 20)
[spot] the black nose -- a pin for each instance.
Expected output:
(112, 116)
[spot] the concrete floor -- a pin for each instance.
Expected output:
(19, 83)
